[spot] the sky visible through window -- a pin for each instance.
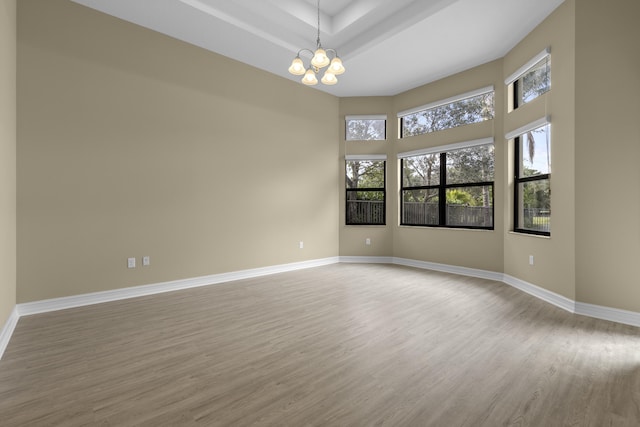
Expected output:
(540, 162)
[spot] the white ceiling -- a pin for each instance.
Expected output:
(387, 46)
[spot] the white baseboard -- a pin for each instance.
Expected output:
(606, 313)
(367, 259)
(7, 330)
(596, 311)
(541, 293)
(25, 309)
(462, 271)
(54, 304)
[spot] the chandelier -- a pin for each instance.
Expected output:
(318, 62)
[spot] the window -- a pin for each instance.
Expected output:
(530, 81)
(366, 128)
(449, 186)
(464, 109)
(365, 192)
(532, 185)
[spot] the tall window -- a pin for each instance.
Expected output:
(530, 81)
(464, 109)
(366, 128)
(449, 186)
(365, 192)
(532, 186)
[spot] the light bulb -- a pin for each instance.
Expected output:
(310, 78)
(336, 66)
(329, 78)
(297, 67)
(320, 58)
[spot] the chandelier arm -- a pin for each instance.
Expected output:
(335, 52)
(305, 50)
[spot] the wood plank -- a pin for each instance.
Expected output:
(344, 344)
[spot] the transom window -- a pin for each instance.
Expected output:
(366, 128)
(471, 107)
(532, 185)
(530, 81)
(365, 190)
(450, 186)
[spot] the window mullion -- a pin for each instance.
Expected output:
(534, 178)
(442, 192)
(516, 185)
(469, 184)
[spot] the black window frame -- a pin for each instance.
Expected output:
(520, 180)
(382, 190)
(442, 188)
(515, 84)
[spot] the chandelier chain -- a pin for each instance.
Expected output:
(318, 40)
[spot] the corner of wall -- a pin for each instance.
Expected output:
(554, 267)
(8, 58)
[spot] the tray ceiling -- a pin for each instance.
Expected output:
(387, 46)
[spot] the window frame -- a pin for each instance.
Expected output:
(517, 159)
(513, 79)
(369, 158)
(349, 118)
(443, 102)
(443, 186)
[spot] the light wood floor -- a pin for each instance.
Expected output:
(341, 345)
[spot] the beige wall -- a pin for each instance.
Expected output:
(499, 250)
(595, 240)
(353, 237)
(607, 153)
(554, 257)
(7, 158)
(132, 143)
(465, 248)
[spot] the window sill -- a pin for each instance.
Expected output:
(424, 227)
(539, 236)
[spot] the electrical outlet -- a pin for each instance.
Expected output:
(301, 244)
(131, 263)
(146, 261)
(530, 259)
(367, 241)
